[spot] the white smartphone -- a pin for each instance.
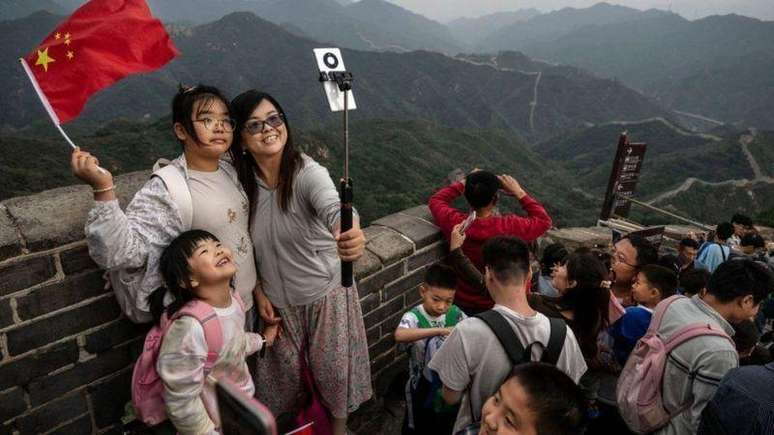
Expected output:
(468, 221)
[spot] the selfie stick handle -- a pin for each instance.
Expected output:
(344, 81)
(346, 190)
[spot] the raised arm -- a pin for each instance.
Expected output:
(537, 221)
(444, 214)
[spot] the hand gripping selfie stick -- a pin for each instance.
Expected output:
(338, 86)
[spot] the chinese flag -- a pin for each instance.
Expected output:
(101, 43)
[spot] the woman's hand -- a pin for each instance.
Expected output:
(86, 168)
(265, 308)
(270, 333)
(351, 243)
(457, 237)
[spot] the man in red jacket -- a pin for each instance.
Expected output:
(480, 189)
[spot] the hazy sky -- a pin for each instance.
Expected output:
(446, 10)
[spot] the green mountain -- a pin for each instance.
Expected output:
(554, 25)
(718, 67)
(472, 30)
(416, 85)
(15, 9)
(395, 165)
(703, 177)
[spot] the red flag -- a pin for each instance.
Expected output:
(101, 43)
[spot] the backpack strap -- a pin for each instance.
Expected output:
(504, 333)
(555, 341)
(452, 316)
(177, 186)
(658, 313)
(691, 331)
(213, 333)
(422, 320)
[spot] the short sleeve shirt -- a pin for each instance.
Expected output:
(473, 361)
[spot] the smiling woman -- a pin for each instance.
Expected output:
(294, 224)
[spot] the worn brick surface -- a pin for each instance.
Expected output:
(116, 333)
(374, 334)
(381, 346)
(10, 245)
(82, 373)
(53, 414)
(6, 313)
(384, 378)
(22, 370)
(402, 285)
(419, 231)
(391, 322)
(79, 426)
(379, 279)
(62, 324)
(109, 397)
(428, 255)
(55, 217)
(366, 265)
(23, 274)
(12, 404)
(77, 260)
(383, 360)
(388, 245)
(368, 303)
(420, 211)
(383, 312)
(61, 294)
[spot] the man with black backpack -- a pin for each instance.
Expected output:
(482, 350)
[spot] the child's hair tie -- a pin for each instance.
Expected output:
(606, 284)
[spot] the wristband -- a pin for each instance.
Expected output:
(107, 189)
(262, 352)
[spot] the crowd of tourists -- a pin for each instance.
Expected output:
(233, 251)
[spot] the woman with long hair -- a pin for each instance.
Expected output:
(295, 227)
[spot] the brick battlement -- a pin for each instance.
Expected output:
(66, 351)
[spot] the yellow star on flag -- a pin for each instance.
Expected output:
(70, 55)
(67, 42)
(43, 59)
(58, 35)
(67, 36)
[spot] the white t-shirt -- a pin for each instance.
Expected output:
(417, 348)
(221, 209)
(473, 361)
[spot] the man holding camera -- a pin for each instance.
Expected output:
(481, 191)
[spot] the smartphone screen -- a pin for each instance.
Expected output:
(468, 221)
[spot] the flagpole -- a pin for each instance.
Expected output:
(44, 101)
(47, 105)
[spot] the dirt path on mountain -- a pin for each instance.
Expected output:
(744, 141)
(533, 104)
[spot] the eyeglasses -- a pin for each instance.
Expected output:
(255, 126)
(619, 258)
(210, 124)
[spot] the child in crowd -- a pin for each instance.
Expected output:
(537, 398)
(424, 327)
(196, 267)
(654, 283)
(693, 282)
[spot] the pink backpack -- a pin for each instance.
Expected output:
(147, 386)
(639, 387)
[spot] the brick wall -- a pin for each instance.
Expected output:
(66, 351)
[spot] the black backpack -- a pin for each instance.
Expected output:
(516, 352)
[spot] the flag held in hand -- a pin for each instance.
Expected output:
(101, 43)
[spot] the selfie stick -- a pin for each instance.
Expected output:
(344, 81)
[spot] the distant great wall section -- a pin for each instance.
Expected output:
(67, 351)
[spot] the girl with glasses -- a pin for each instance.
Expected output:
(208, 196)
